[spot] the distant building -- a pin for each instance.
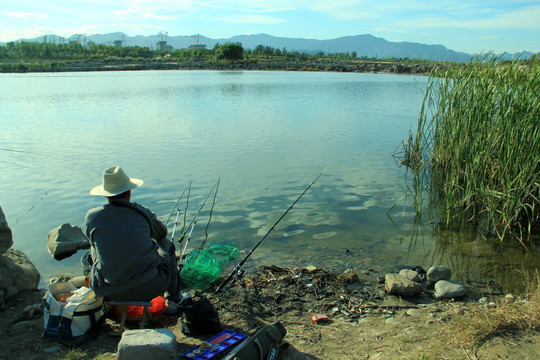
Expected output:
(198, 46)
(118, 43)
(163, 46)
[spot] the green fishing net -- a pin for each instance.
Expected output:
(203, 267)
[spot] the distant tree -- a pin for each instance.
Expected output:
(230, 51)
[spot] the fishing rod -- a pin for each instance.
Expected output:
(177, 201)
(193, 222)
(238, 271)
(209, 219)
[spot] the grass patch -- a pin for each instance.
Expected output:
(505, 318)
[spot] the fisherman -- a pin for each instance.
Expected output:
(132, 258)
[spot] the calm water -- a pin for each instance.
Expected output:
(265, 135)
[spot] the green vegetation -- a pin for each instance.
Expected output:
(32, 56)
(476, 152)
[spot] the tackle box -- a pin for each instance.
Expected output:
(215, 347)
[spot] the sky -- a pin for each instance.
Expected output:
(471, 26)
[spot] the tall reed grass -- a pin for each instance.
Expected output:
(476, 151)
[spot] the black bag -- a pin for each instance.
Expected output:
(199, 316)
(264, 344)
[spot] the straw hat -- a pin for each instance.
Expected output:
(115, 182)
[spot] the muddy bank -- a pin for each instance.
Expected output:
(364, 322)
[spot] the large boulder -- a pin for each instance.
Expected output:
(17, 273)
(399, 285)
(66, 240)
(6, 237)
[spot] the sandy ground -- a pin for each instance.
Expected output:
(363, 322)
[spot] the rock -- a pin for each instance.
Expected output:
(142, 344)
(447, 289)
(398, 285)
(411, 275)
(26, 326)
(2, 299)
(17, 273)
(6, 237)
(52, 349)
(349, 276)
(393, 321)
(413, 312)
(437, 273)
(66, 240)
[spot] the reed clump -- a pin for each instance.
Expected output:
(476, 150)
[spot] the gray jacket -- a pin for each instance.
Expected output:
(122, 246)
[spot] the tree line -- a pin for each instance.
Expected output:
(74, 51)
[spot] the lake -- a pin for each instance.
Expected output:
(264, 135)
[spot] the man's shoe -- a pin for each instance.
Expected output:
(172, 307)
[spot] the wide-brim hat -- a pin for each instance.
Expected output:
(115, 182)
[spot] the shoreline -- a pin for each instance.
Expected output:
(315, 65)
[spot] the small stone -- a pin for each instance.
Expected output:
(510, 298)
(159, 344)
(437, 273)
(446, 289)
(393, 321)
(483, 300)
(413, 312)
(52, 349)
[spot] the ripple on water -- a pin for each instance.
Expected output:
(324, 235)
(292, 233)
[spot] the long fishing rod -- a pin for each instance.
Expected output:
(194, 220)
(178, 214)
(238, 271)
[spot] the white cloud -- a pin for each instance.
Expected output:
(27, 15)
(247, 18)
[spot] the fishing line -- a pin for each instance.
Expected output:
(194, 220)
(192, 225)
(209, 218)
(238, 271)
(177, 201)
(27, 152)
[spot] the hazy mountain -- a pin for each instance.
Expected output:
(363, 45)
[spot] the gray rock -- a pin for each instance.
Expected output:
(413, 312)
(17, 273)
(411, 275)
(66, 240)
(52, 349)
(6, 237)
(447, 289)
(396, 284)
(143, 344)
(26, 326)
(437, 273)
(393, 321)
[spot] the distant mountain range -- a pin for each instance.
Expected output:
(363, 45)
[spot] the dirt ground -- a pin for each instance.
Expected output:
(363, 321)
